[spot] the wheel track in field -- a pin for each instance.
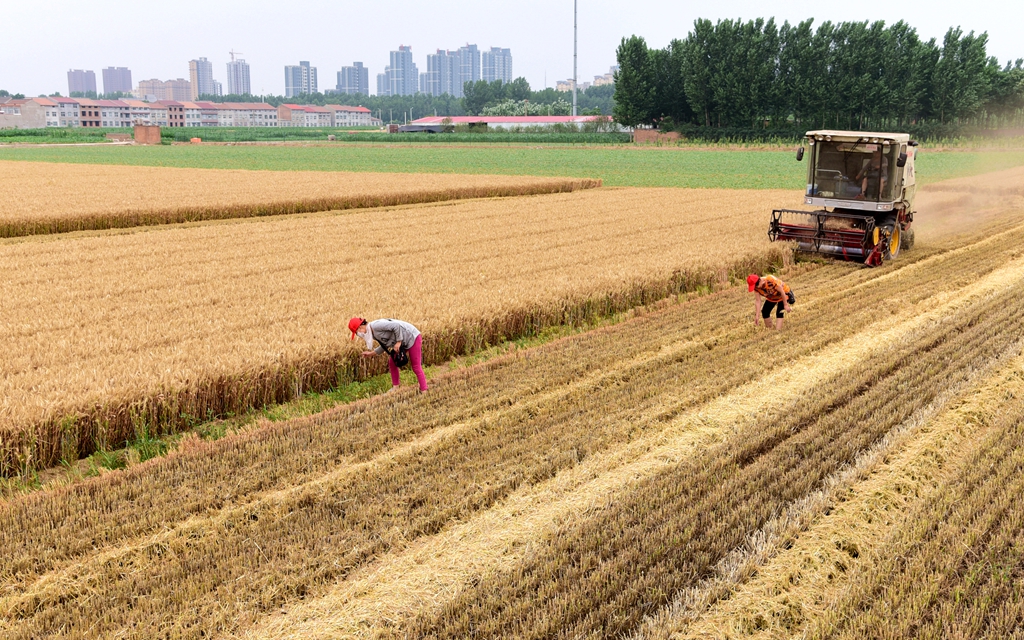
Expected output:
(430, 571)
(598, 377)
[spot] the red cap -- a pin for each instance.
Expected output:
(752, 281)
(354, 324)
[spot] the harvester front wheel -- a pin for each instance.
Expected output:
(895, 235)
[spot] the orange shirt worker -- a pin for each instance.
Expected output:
(775, 294)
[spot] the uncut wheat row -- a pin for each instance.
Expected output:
(168, 326)
(44, 197)
(218, 537)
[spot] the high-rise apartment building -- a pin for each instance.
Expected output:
(238, 77)
(117, 80)
(469, 59)
(354, 79)
(383, 88)
(299, 79)
(444, 74)
(402, 74)
(80, 81)
(179, 90)
(200, 75)
(497, 65)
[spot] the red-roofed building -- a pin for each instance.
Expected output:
(29, 113)
(303, 115)
(89, 114)
(511, 122)
(246, 114)
(175, 112)
(139, 111)
(347, 116)
(68, 109)
(114, 113)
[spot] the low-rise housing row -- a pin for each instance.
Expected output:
(38, 113)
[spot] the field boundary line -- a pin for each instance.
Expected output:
(431, 570)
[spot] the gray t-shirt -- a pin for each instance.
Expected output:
(387, 332)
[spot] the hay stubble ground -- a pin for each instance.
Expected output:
(678, 474)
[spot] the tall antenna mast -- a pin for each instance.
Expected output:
(574, 31)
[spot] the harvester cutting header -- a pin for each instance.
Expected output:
(864, 184)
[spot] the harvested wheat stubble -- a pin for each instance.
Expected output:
(217, 535)
(800, 586)
(43, 198)
(165, 326)
(598, 577)
(955, 566)
(417, 578)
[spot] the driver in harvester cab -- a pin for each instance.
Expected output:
(872, 176)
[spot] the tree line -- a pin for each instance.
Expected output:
(849, 75)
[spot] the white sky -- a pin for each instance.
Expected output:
(41, 41)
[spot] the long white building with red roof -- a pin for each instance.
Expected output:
(39, 113)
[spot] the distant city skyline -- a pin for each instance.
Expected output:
(299, 79)
(538, 33)
(117, 80)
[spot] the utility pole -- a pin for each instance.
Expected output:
(574, 32)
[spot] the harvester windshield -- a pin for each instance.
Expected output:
(853, 170)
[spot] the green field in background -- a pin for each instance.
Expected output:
(617, 166)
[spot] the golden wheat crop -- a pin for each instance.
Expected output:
(169, 326)
(43, 197)
(260, 532)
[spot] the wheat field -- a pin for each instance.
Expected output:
(45, 197)
(625, 482)
(169, 326)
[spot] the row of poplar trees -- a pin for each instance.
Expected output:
(850, 75)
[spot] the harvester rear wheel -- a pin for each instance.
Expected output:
(908, 239)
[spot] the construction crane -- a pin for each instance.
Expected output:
(234, 53)
(864, 185)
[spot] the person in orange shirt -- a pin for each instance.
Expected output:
(775, 293)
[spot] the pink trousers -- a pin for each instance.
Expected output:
(416, 360)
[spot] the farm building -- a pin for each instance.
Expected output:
(31, 113)
(511, 122)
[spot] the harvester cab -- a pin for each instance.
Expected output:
(863, 185)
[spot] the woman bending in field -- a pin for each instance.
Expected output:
(402, 342)
(776, 294)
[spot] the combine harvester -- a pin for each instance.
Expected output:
(864, 186)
